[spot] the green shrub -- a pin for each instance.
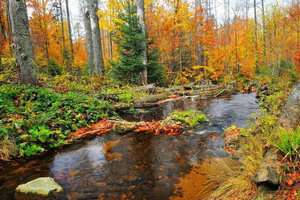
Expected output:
(54, 69)
(126, 97)
(38, 118)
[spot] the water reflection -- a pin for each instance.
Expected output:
(138, 166)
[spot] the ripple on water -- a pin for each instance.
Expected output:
(141, 166)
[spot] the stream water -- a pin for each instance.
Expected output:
(141, 166)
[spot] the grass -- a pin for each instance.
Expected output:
(288, 142)
(253, 142)
(8, 148)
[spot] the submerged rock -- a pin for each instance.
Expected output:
(44, 188)
(268, 172)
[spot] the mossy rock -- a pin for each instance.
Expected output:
(44, 188)
(123, 127)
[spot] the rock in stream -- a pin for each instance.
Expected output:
(44, 188)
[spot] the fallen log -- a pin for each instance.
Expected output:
(151, 99)
(201, 87)
(146, 105)
(109, 97)
(123, 127)
(151, 88)
(222, 93)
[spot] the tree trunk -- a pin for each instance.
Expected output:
(247, 14)
(199, 45)
(70, 30)
(109, 41)
(3, 35)
(256, 38)
(9, 31)
(46, 31)
(1, 65)
(22, 42)
(89, 42)
(98, 57)
(62, 31)
(141, 14)
(264, 31)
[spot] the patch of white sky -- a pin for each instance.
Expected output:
(219, 8)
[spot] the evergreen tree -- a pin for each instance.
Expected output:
(129, 40)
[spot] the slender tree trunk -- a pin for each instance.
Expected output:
(109, 44)
(298, 25)
(199, 45)
(9, 31)
(102, 33)
(1, 65)
(110, 36)
(256, 38)
(141, 14)
(264, 32)
(3, 33)
(64, 52)
(89, 42)
(180, 56)
(247, 14)
(22, 42)
(70, 30)
(98, 57)
(46, 32)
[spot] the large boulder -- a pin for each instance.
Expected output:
(44, 188)
(290, 115)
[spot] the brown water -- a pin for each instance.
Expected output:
(140, 166)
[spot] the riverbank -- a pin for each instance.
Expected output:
(36, 119)
(268, 150)
(141, 164)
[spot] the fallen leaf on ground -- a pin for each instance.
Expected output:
(99, 128)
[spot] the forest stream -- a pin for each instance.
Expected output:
(141, 166)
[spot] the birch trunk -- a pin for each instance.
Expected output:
(141, 14)
(22, 42)
(98, 57)
(89, 42)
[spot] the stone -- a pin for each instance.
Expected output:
(268, 172)
(290, 115)
(44, 188)
(123, 127)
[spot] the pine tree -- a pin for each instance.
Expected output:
(129, 39)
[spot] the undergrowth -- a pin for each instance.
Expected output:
(38, 118)
(260, 135)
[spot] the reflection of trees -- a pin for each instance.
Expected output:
(139, 165)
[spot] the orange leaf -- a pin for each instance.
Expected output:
(290, 182)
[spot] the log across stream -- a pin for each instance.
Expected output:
(141, 166)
